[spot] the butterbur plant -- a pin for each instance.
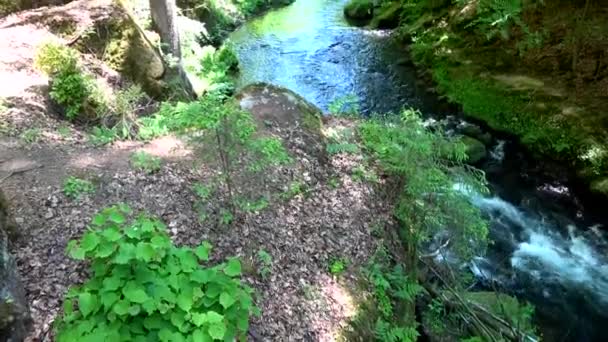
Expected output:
(143, 288)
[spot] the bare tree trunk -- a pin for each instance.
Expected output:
(164, 20)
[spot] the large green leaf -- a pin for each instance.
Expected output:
(111, 283)
(217, 331)
(135, 292)
(74, 251)
(188, 260)
(87, 303)
(126, 252)
(145, 251)
(198, 318)
(233, 268)
(201, 276)
(184, 301)
(116, 217)
(105, 249)
(121, 307)
(112, 234)
(201, 336)
(226, 300)
(202, 251)
(108, 299)
(90, 240)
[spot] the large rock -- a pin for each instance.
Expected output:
(117, 40)
(387, 17)
(359, 11)
(476, 150)
(14, 311)
(279, 107)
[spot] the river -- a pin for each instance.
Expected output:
(548, 248)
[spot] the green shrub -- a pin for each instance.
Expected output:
(337, 266)
(52, 58)
(71, 89)
(145, 162)
(100, 136)
(31, 135)
(143, 288)
(70, 86)
(75, 187)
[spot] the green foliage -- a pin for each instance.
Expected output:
(121, 112)
(216, 68)
(229, 137)
(8, 6)
(101, 135)
(264, 262)
(143, 288)
(70, 86)
(71, 89)
(509, 112)
(64, 131)
(337, 148)
(496, 17)
(31, 135)
(337, 266)
(252, 206)
(295, 188)
(52, 58)
(384, 317)
(75, 188)
(145, 162)
(347, 106)
(425, 165)
(203, 191)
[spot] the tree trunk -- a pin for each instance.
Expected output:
(164, 20)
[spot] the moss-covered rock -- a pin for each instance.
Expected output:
(280, 107)
(476, 150)
(118, 42)
(600, 186)
(387, 17)
(359, 11)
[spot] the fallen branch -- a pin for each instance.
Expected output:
(485, 323)
(25, 169)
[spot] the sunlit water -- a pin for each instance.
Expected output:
(539, 253)
(309, 48)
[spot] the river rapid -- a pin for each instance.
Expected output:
(549, 247)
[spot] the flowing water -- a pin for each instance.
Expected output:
(547, 249)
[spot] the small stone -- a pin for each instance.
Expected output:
(19, 220)
(49, 214)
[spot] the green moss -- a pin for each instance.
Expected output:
(311, 120)
(360, 10)
(387, 17)
(518, 113)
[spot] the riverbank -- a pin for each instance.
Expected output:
(522, 75)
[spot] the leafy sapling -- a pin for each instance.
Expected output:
(264, 262)
(337, 266)
(75, 187)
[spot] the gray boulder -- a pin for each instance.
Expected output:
(476, 150)
(14, 311)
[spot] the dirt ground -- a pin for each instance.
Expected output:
(300, 300)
